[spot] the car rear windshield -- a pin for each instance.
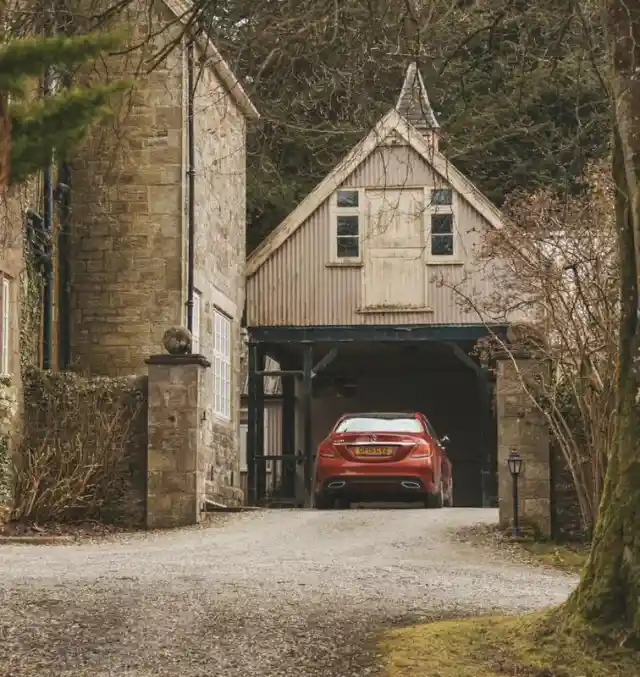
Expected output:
(373, 424)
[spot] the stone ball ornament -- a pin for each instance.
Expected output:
(177, 341)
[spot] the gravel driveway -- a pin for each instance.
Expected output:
(268, 594)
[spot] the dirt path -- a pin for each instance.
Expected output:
(270, 594)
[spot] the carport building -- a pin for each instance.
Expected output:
(361, 297)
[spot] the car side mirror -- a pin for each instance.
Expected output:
(444, 440)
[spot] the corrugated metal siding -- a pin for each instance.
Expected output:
(273, 428)
(394, 166)
(295, 286)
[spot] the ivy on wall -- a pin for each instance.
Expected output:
(30, 311)
(8, 410)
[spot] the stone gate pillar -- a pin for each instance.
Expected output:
(523, 428)
(175, 478)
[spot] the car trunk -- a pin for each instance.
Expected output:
(374, 447)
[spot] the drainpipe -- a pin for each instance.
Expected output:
(47, 295)
(64, 276)
(191, 172)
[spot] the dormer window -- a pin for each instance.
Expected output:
(441, 222)
(346, 225)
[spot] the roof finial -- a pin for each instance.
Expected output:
(413, 102)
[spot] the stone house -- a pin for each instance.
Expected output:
(358, 296)
(150, 224)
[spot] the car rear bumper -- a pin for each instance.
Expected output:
(378, 485)
(339, 477)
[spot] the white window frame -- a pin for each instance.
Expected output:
(195, 317)
(222, 353)
(5, 330)
(334, 213)
(434, 209)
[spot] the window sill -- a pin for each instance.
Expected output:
(220, 419)
(389, 309)
(444, 261)
(343, 264)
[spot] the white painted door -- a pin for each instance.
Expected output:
(394, 272)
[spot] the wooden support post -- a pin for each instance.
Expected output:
(307, 369)
(252, 423)
(289, 434)
(261, 466)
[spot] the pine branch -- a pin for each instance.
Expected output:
(28, 57)
(59, 122)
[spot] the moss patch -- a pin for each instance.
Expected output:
(566, 556)
(569, 557)
(523, 646)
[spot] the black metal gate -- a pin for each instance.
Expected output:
(277, 482)
(285, 479)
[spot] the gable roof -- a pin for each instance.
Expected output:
(391, 123)
(182, 10)
(413, 102)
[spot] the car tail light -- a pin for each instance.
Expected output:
(326, 451)
(422, 450)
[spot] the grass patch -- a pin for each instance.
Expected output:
(560, 556)
(524, 646)
(566, 556)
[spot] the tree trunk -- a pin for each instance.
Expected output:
(609, 591)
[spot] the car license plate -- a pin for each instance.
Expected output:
(373, 451)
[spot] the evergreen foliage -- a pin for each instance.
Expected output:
(38, 125)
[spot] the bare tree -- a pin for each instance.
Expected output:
(555, 265)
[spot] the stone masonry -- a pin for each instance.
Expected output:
(220, 189)
(175, 489)
(13, 204)
(127, 232)
(129, 239)
(522, 427)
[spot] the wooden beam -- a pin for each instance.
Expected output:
(324, 362)
(288, 336)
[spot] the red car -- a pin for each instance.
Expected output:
(383, 457)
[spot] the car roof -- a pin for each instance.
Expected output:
(378, 414)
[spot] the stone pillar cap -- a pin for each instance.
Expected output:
(176, 360)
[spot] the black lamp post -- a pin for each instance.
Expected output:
(515, 468)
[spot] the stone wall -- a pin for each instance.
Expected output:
(13, 205)
(8, 416)
(126, 236)
(129, 244)
(523, 428)
(179, 452)
(220, 218)
(83, 453)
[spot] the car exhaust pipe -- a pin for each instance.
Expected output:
(411, 485)
(336, 485)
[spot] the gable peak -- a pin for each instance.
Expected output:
(413, 102)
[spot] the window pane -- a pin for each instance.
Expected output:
(441, 245)
(347, 198)
(348, 247)
(348, 225)
(441, 224)
(441, 196)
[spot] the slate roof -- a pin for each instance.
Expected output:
(413, 102)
